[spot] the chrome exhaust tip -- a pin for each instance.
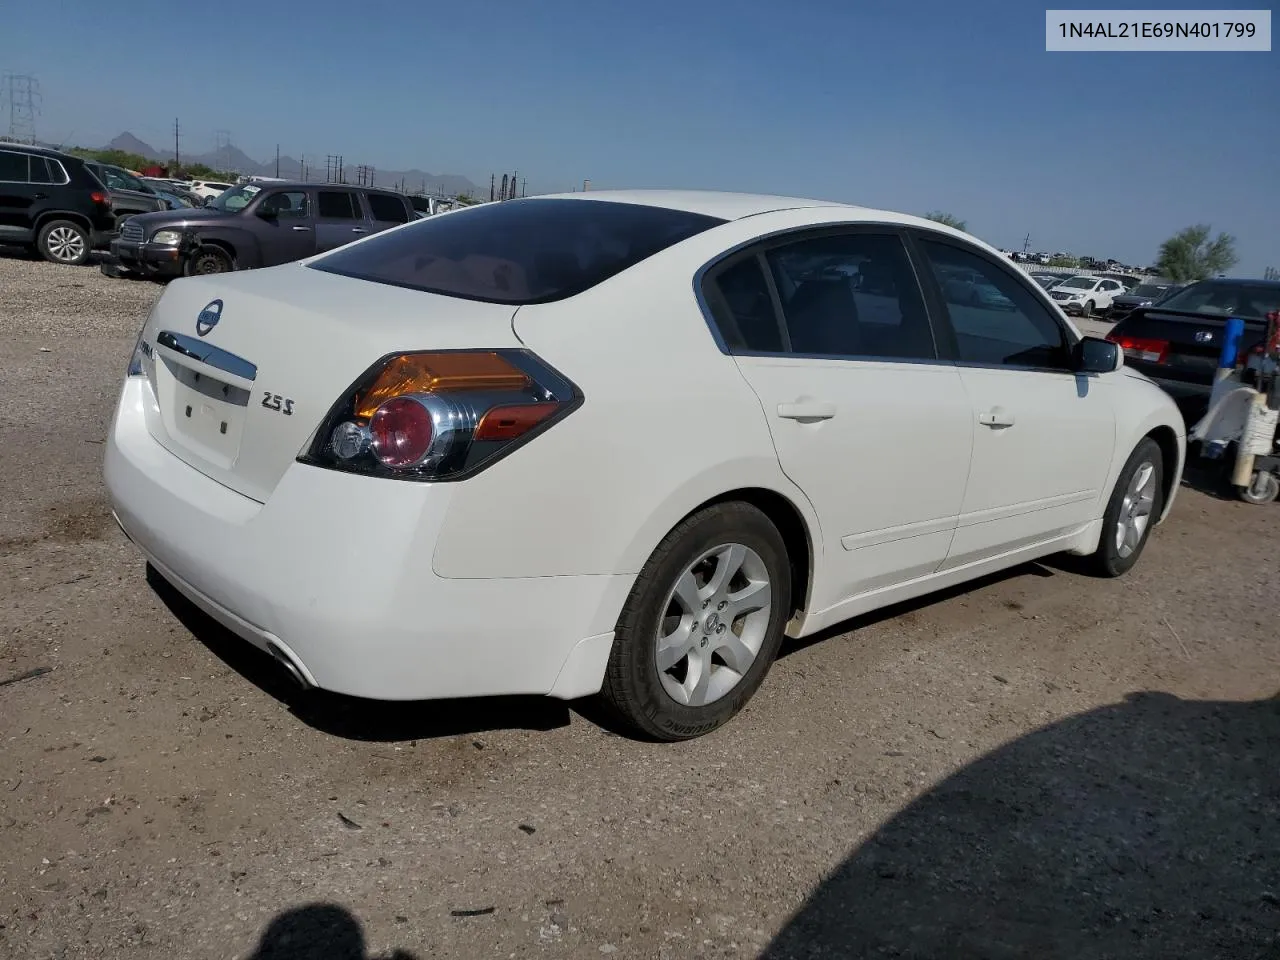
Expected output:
(285, 660)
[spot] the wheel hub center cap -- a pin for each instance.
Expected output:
(712, 623)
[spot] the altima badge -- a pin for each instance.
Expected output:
(209, 317)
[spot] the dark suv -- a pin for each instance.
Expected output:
(253, 225)
(129, 195)
(50, 200)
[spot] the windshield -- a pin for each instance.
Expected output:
(518, 251)
(1252, 301)
(1079, 283)
(1150, 290)
(235, 199)
(116, 178)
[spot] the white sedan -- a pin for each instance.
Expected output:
(619, 443)
(1086, 295)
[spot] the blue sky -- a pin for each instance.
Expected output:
(911, 106)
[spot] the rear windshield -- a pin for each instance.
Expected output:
(517, 251)
(1245, 300)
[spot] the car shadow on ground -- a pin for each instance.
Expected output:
(1144, 829)
(317, 931)
(353, 718)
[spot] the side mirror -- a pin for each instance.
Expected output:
(1095, 355)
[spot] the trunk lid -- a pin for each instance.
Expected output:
(1194, 340)
(245, 366)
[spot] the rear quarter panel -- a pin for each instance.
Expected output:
(668, 423)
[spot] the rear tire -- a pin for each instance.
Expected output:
(64, 242)
(1134, 508)
(697, 607)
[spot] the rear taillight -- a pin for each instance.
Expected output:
(100, 198)
(441, 415)
(1141, 348)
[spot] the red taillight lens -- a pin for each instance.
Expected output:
(400, 432)
(441, 415)
(101, 198)
(1141, 348)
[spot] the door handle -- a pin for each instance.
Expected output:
(996, 418)
(806, 410)
(359, 230)
(301, 229)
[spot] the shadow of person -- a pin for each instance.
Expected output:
(318, 931)
(1149, 828)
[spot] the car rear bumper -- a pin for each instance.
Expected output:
(147, 258)
(336, 578)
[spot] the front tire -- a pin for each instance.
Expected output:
(1134, 507)
(208, 261)
(1087, 310)
(64, 242)
(702, 625)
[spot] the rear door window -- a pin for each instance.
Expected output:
(338, 205)
(518, 251)
(13, 167)
(386, 208)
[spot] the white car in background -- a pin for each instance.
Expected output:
(1086, 295)
(619, 443)
(205, 189)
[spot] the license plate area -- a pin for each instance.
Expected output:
(202, 413)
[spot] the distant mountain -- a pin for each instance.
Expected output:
(234, 159)
(128, 143)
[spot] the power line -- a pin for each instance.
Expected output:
(24, 97)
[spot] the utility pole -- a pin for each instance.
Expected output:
(302, 162)
(1026, 244)
(277, 161)
(24, 95)
(523, 185)
(491, 188)
(177, 161)
(503, 194)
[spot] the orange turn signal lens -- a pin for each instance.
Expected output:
(439, 373)
(507, 423)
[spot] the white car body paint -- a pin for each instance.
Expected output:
(512, 580)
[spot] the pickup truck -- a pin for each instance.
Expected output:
(253, 225)
(1177, 342)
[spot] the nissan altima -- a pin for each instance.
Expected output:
(619, 444)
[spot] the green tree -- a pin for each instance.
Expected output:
(1190, 255)
(937, 216)
(1070, 263)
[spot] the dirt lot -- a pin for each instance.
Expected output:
(1042, 765)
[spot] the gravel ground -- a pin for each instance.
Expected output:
(1040, 765)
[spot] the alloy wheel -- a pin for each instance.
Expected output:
(713, 624)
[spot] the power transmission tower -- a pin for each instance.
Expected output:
(1026, 244)
(524, 184)
(24, 97)
(222, 149)
(302, 162)
(1271, 273)
(177, 159)
(491, 188)
(503, 194)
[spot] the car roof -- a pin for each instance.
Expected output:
(302, 184)
(31, 148)
(736, 206)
